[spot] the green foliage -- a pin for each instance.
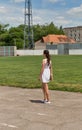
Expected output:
(12, 36)
(3, 28)
(44, 30)
(15, 35)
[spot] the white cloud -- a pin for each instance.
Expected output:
(43, 16)
(60, 20)
(14, 15)
(48, 16)
(15, 20)
(37, 20)
(17, 1)
(55, 1)
(3, 9)
(75, 10)
(57, 17)
(11, 15)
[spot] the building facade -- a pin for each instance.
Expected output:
(53, 39)
(74, 33)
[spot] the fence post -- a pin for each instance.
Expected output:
(4, 49)
(9, 50)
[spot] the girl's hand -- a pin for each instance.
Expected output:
(51, 77)
(39, 78)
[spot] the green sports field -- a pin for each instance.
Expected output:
(23, 71)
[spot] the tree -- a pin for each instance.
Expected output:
(3, 28)
(15, 35)
(43, 30)
(61, 30)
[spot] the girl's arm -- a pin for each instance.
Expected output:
(51, 72)
(42, 69)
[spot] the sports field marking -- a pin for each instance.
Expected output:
(11, 126)
(37, 113)
(41, 114)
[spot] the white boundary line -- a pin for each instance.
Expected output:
(4, 124)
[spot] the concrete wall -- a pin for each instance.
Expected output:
(75, 52)
(40, 46)
(34, 52)
(12, 51)
(67, 49)
(60, 49)
(52, 52)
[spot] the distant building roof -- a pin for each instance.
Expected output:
(52, 38)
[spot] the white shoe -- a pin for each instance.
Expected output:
(48, 102)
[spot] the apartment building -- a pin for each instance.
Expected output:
(74, 33)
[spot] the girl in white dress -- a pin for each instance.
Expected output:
(45, 75)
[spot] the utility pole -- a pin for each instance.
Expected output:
(28, 26)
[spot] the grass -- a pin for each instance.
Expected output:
(24, 72)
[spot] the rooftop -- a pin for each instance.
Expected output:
(52, 38)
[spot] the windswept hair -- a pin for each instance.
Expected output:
(46, 52)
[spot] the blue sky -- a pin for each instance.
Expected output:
(61, 12)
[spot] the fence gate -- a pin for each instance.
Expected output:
(63, 49)
(7, 50)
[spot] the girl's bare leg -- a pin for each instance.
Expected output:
(45, 91)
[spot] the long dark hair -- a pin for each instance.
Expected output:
(46, 52)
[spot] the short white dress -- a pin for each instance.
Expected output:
(46, 73)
